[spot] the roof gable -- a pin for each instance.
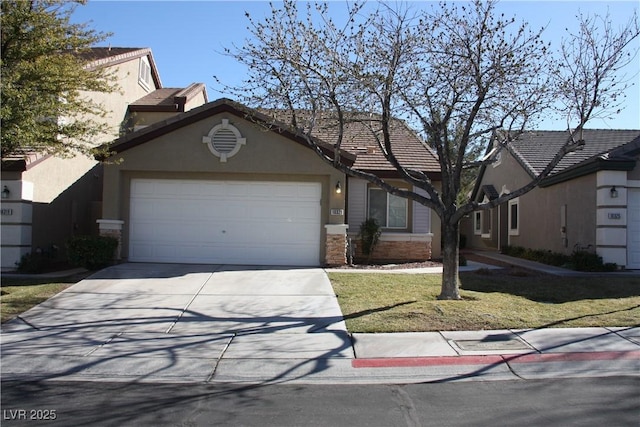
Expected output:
(168, 99)
(97, 57)
(223, 105)
(359, 148)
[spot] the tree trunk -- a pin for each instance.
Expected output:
(450, 251)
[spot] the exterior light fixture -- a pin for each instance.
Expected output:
(6, 192)
(614, 192)
(338, 188)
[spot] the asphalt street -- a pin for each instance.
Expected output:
(613, 401)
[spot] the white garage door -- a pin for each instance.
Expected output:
(225, 222)
(633, 228)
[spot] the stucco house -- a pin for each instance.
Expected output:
(223, 183)
(591, 200)
(48, 199)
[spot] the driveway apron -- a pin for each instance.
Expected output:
(180, 323)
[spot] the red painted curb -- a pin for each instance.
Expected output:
(407, 362)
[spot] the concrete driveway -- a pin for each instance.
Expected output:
(175, 323)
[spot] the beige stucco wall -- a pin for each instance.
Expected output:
(66, 191)
(540, 211)
(540, 216)
(181, 154)
(517, 177)
(116, 103)
(196, 101)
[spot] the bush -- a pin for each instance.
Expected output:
(370, 232)
(33, 263)
(589, 261)
(91, 252)
(38, 261)
(578, 260)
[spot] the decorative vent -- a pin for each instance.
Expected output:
(224, 140)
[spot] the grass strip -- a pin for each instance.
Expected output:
(491, 300)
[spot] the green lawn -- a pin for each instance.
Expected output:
(492, 300)
(19, 295)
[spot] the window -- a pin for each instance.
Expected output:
(144, 73)
(487, 216)
(390, 211)
(514, 217)
(482, 223)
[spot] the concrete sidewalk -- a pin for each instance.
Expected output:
(225, 324)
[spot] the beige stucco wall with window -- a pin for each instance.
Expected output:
(541, 219)
(489, 235)
(539, 212)
(181, 154)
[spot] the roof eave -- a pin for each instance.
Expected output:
(595, 165)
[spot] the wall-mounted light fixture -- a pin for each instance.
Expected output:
(614, 192)
(6, 192)
(338, 188)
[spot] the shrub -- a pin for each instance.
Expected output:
(579, 260)
(91, 252)
(33, 263)
(38, 261)
(370, 232)
(589, 261)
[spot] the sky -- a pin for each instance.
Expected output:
(187, 38)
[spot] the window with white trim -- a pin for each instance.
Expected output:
(487, 217)
(389, 210)
(477, 223)
(514, 217)
(144, 73)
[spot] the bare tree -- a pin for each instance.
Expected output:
(461, 74)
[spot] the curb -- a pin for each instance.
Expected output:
(409, 362)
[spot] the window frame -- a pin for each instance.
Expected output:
(514, 203)
(477, 223)
(386, 226)
(144, 74)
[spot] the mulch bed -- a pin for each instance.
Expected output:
(398, 266)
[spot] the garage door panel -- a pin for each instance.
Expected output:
(225, 222)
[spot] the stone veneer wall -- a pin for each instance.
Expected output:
(336, 246)
(336, 250)
(395, 251)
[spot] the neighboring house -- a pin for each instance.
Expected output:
(591, 200)
(214, 185)
(48, 199)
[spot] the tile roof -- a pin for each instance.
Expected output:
(168, 99)
(359, 139)
(535, 149)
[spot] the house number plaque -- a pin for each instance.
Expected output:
(615, 216)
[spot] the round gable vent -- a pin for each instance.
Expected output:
(224, 140)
